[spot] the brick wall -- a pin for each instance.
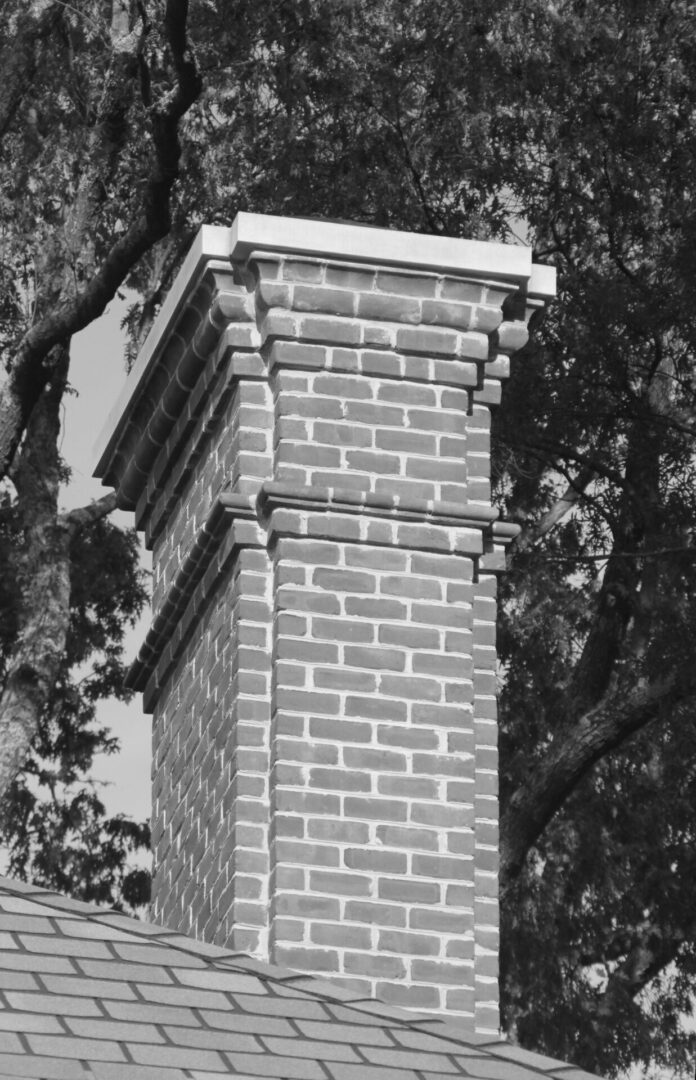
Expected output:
(310, 464)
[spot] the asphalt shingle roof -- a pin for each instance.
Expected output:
(91, 994)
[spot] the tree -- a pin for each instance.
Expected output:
(125, 126)
(82, 202)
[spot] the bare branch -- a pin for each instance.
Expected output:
(553, 517)
(77, 519)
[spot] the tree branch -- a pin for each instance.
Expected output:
(34, 361)
(561, 508)
(571, 756)
(650, 953)
(77, 519)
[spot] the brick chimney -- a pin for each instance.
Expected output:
(304, 440)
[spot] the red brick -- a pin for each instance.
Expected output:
(339, 678)
(340, 883)
(301, 270)
(332, 301)
(387, 862)
(376, 809)
(431, 342)
(340, 779)
(373, 761)
(371, 913)
(381, 967)
(406, 284)
(389, 308)
(374, 657)
(341, 630)
(409, 944)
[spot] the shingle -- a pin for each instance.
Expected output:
(198, 1074)
(286, 1068)
(428, 1075)
(246, 1022)
(106, 1071)
(383, 1011)
(9, 1042)
(60, 1004)
(198, 948)
(36, 924)
(118, 969)
(310, 1049)
(65, 946)
(22, 961)
(155, 953)
(183, 995)
(27, 907)
(570, 1073)
(10, 1020)
(409, 1059)
(276, 1006)
(347, 1015)
(413, 1039)
(339, 1071)
(117, 1030)
(18, 1065)
(7, 941)
(345, 1032)
(68, 903)
(228, 981)
(326, 989)
(64, 1046)
(214, 1040)
(94, 928)
(528, 1057)
(16, 886)
(179, 1057)
(268, 971)
(452, 1029)
(490, 1068)
(83, 987)
(17, 980)
(125, 922)
(139, 1012)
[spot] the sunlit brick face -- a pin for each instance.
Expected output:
(322, 661)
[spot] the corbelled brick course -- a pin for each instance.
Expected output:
(307, 449)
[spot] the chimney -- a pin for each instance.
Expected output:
(304, 440)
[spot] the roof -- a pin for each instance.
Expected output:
(87, 992)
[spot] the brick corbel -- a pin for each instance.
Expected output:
(383, 519)
(231, 525)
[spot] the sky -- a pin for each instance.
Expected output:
(97, 374)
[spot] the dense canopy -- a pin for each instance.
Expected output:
(568, 125)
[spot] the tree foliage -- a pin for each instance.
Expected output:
(566, 124)
(53, 824)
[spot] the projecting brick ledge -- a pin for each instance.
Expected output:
(469, 530)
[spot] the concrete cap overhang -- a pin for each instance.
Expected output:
(307, 238)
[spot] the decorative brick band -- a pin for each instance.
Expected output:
(186, 599)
